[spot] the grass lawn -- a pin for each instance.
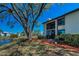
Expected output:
(33, 48)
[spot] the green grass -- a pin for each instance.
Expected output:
(4, 37)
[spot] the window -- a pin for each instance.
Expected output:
(50, 34)
(51, 25)
(61, 21)
(61, 31)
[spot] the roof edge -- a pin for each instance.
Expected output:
(62, 15)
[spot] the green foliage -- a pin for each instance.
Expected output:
(41, 37)
(70, 39)
(4, 37)
(13, 36)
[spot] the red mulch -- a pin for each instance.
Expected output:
(67, 47)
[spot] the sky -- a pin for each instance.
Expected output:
(54, 11)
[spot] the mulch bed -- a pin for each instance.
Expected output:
(67, 47)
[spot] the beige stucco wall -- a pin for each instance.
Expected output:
(72, 23)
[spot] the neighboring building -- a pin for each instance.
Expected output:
(5, 34)
(65, 24)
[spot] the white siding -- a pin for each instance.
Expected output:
(72, 23)
(60, 27)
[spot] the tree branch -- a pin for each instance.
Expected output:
(17, 13)
(4, 6)
(21, 12)
(31, 10)
(40, 11)
(3, 11)
(16, 18)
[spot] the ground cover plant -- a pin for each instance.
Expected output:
(35, 48)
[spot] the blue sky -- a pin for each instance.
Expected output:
(54, 11)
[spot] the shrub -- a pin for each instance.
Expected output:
(13, 36)
(41, 37)
(70, 39)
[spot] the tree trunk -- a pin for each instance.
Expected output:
(28, 34)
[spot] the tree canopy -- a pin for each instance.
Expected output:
(26, 14)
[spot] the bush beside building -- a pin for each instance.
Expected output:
(70, 39)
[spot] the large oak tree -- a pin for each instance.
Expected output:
(26, 14)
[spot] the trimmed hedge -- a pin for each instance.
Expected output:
(70, 39)
(41, 37)
(13, 36)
